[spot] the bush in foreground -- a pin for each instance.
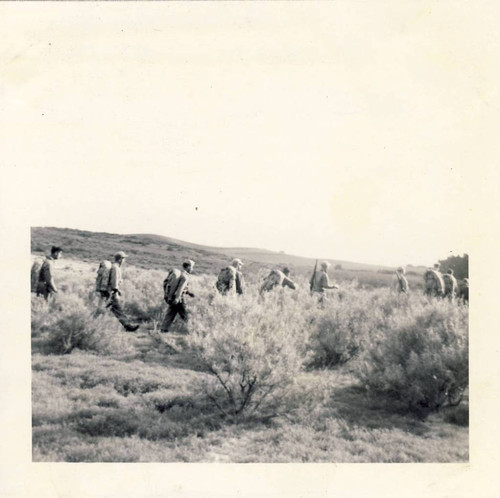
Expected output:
(253, 352)
(340, 328)
(66, 323)
(422, 360)
(83, 330)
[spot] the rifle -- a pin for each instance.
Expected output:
(311, 283)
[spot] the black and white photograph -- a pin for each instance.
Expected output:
(247, 228)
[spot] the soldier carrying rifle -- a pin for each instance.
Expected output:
(320, 282)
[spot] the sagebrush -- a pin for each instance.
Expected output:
(406, 347)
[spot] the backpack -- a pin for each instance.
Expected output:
(35, 274)
(103, 273)
(274, 278)
(226, 279)
(170, 284)
(434, 281)
(44, 277)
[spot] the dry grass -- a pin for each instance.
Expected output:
(88, 408)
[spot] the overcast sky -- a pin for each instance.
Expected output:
(349, 130)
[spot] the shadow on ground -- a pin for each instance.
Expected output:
(352, 404)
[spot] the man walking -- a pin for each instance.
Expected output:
(230, 279)
(433, 282)
(46, 286)
(463, 292)
(277, 278)
(400, 283)
(115, 282)
(450, 285)
(176, 287)
(321, 282)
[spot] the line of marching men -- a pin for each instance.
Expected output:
(436, 284)
(229, 281)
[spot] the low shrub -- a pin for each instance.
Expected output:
(338, 332)
(41, 317)
(139, 312)
(422, 359)
(83, 330)
(458, 416)
(253, 352)
(46, 314)
(118, 423)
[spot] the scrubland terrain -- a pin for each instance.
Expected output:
(370, 376)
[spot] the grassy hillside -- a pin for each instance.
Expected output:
(144, 251)
(158, 252)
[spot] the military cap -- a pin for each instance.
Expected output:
(120, 254)
(236, 261)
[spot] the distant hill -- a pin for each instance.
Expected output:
(158, 252)
(264, 255)
(144, 251)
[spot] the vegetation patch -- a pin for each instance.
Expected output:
(357, 378)
(422, 360)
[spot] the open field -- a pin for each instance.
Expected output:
(130, 397)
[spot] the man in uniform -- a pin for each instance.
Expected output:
(400, 283)
(277, 278)
(463, 292)
(321, 282)
(46, 286)
(176, 287)
(230, 278)
(433, 282)
(450, 285)
(115, 303)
